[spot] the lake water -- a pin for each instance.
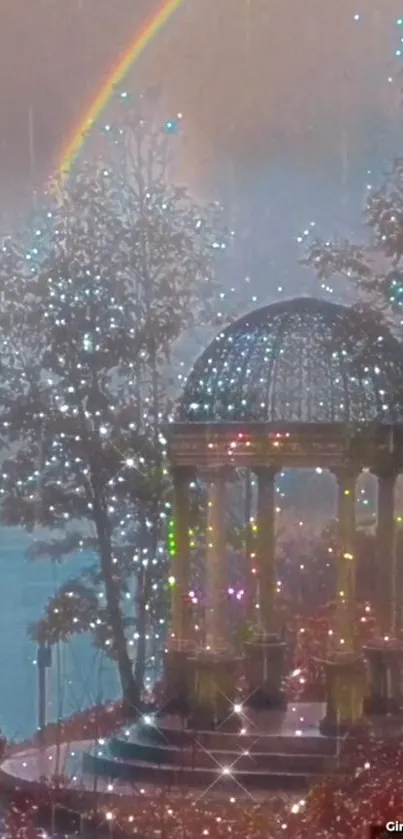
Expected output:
(79, 675)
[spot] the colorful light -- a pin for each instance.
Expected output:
(138, 43)
(171, 538)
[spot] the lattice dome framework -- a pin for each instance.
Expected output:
(302, 360)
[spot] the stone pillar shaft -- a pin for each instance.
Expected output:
(265, 549)
(386, 555)
(250, 556)
(180, 624)
(216, 578)
(385, 655)
(346, 481)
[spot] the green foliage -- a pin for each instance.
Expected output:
(373, 269)
(122, 267)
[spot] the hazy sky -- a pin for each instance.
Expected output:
(286, 104)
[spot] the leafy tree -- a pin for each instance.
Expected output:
(122, 267)
(373, 269)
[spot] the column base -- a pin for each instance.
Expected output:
(264, 664)
(263, 700)
(214, 678)
(345, 688)
(177, 679)
(329, 728)
(200, 721)
(385, 660)
(381, 706)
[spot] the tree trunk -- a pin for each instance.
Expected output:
(140, 664)
(131, 690)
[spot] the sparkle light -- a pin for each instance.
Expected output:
(261, 345)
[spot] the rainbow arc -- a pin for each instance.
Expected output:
(114, 78)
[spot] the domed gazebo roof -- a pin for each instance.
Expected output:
(302, 360)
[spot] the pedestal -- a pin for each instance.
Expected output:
(177, 680)
(264, 666)
(345, 690)
(385, 678)
(213, 686)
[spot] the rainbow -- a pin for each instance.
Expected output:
(115, 76)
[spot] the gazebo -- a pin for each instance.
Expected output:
(299, 383)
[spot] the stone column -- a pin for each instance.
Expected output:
(265, 652)
(180, 562)
(216, 575)
(176, 659)
(250, 558)
(266, 550)
(214, 668)
(385, 654)
(345, 595)
(344, 667)
(385, 553)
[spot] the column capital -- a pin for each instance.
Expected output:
(347, 474)
(387, 470)
(269, 471)
(216, 474)
(182, 474)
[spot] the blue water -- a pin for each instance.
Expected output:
(79, 675)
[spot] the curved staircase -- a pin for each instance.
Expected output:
(268, 755)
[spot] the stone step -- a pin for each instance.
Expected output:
(107, 766)
(233, 741)
(195, 756)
